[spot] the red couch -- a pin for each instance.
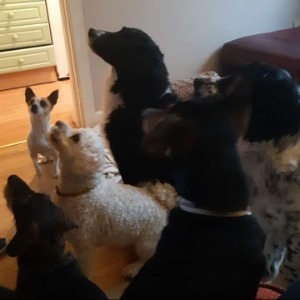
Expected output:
(280, 48)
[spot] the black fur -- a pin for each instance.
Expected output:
(198, 256)
(275, 103)
(7, 294)
(124, 132)
(44, 270)
(142, 82)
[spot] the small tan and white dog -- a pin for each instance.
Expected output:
(107, 213)
(39, 146)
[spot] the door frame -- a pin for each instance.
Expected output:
(86, 114)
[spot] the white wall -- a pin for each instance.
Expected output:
(189, 32)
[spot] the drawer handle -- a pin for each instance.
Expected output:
(21, 61)
(15, 37)
(10, 15)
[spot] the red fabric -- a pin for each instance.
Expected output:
(268, 291)
(280, 48)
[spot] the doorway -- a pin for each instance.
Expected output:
(30, 30)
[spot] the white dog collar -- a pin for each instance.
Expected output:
(190, 207)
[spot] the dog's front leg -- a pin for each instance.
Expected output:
(56, 165)
(85, 255)
(275, 252)
(36, 164)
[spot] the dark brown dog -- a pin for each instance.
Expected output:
(45, 270)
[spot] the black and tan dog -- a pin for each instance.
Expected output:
(212, 247)
(45, 270)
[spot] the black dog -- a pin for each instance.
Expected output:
(212, 246)
(45, 271)
(142, 82)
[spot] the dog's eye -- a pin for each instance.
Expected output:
(43, 103)
(75, 138)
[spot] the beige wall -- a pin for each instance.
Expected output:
(189, 32)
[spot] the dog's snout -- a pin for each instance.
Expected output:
(34, 108)
(93, 33)
(12, 178)
(59, 124)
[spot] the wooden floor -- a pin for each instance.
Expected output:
(14, 159)
(14, 116)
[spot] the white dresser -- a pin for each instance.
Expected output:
(25, 37)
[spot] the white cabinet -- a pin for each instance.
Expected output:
(25, 38)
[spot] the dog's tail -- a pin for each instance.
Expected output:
(163, 193)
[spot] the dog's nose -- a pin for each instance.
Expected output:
(14, 180)
(59, 124)
(34, 108)
(93, 33)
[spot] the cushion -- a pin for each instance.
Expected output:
(268, 291)
(184, 88)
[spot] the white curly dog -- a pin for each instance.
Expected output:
(107, 213)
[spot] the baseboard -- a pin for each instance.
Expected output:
(27, 78)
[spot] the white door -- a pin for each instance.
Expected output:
(86, 108)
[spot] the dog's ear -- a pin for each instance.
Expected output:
(29, 94)
(236, 99)
(167, 134)
(24, 238)
(53, 97)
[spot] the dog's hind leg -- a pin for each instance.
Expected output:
(85, 255)
(144, 249)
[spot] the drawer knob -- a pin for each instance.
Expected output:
(21, 61)
(10, 15)
(15, 37)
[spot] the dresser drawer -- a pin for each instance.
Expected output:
(17, 1)
(17, 14)
(24, 36)
(26, 59)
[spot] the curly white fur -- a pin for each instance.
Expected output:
(107, 213)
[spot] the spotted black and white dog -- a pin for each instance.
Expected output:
(270, 153)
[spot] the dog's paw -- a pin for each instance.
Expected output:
(56, 174)
(44, 159)
(274, 260)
